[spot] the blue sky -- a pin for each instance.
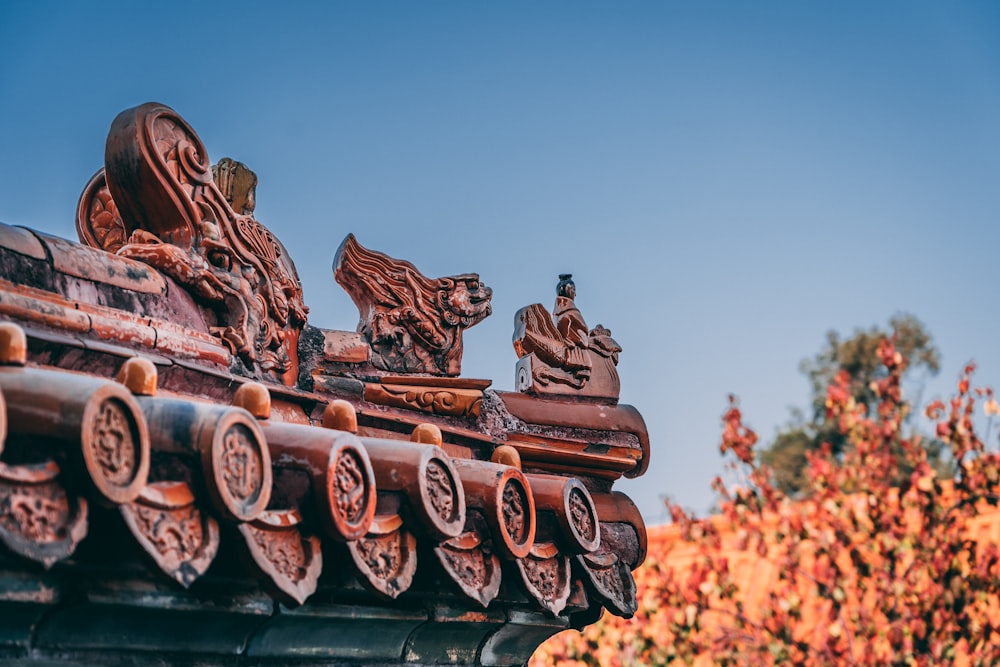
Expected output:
(725, 180)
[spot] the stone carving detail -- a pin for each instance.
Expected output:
(580, 513)
(546, 575)
(515, 518)
(111, 444)
(175, 535)
(386, 557)
(612, 581)
(37, 519)
(175, 218)
(475, 569)
(449, 402)
(98, 223)
(38, 514)
(381, 553)
(558, 354)
(285, 551)
(414, 324)
(289, 560)
(543, 576)
(240, 463)
(441, 489)
(351, 484)
(172, 530)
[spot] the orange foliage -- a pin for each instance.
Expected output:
(860, 573)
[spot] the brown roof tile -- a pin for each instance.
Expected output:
(21, 241)
(259, 464)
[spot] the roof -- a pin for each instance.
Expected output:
(194, 472)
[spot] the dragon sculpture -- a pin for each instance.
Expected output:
(413, 324)
(158, 201)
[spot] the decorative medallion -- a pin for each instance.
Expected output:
(114, 441)
(351, 483)
(339, 470)
(427, 477)
(441, 490)
(112, 444)
(567, 501)
(240, 463)
(581, 515)
(504, 497)
(515, 515)
(236, 462)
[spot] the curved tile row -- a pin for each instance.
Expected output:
(281, 483)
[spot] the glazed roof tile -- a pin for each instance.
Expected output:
(194, 412)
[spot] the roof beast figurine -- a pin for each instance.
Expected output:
(557, 354)
(191, 473)
(413, 324)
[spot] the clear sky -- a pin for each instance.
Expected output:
(725, 180)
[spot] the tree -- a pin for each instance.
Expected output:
(856, 356)
(886, 574)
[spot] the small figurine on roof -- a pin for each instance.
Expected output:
(559, 355)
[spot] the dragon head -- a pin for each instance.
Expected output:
(463, 300)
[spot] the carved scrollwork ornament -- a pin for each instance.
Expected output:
(469, 564)
(386, 557)
(515, 518)
(612, 581)
(288, 559)
(350, 483)
(38, 520)
(433, 400)
(98, 222)
(180, 539)
(115, 445)
(546, 575)
(236, 464)
(157, 202)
